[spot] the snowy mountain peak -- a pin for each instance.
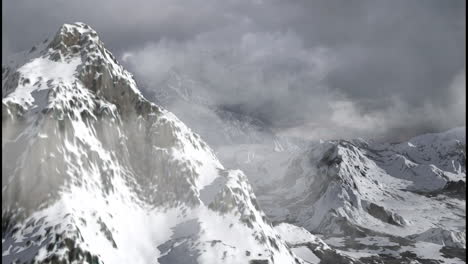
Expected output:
(93, 172)
(70, 71)
(72, 38)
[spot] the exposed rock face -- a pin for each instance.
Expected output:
(93, 172)
(383, 215)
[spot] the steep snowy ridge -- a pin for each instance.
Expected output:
(95, 173)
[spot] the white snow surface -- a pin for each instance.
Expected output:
(39, 71)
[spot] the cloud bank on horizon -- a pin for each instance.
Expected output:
(315, 69)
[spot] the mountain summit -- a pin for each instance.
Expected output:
(95, 173)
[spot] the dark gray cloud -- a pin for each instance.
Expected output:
(313, 68)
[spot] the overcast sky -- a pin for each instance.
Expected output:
(313, 68)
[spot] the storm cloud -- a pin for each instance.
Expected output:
(315, 69)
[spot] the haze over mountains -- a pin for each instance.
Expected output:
(347, 191)
(93, 172)
(318, 69)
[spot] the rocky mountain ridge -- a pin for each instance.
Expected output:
(95, 173)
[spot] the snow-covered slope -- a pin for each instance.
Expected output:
(94, 173)
(411, 192)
